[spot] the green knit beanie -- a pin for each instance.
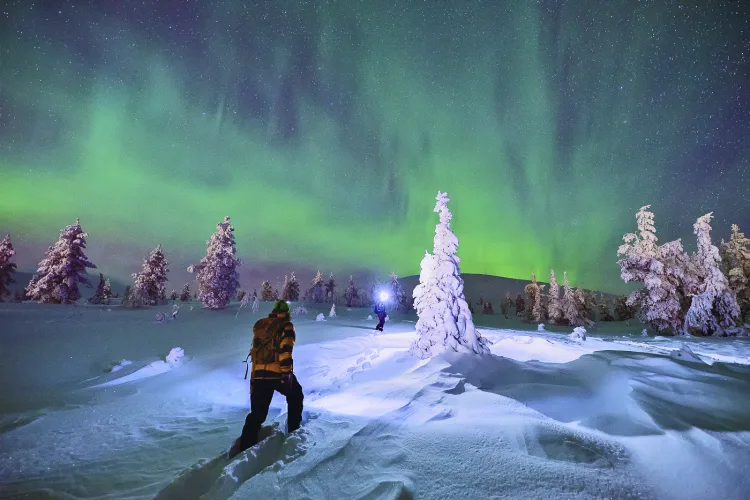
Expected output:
(281, 306)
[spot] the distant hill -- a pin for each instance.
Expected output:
(490, 288)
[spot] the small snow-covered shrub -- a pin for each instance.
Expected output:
(320, 317)
(175, 356)
(332, 314)
(579, 334)
(387, 318)
(369, 317)
(644, 333)
(119, 366)
(299, 310)
(540, 328)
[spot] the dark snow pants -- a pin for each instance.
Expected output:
(261, 393)
(381, 323)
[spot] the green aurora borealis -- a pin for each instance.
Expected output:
(324, 129)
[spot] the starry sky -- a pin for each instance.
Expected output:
(324, 129)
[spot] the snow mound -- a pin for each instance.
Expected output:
(578, 335)
(540, 328)
(320, 317)
(685, 354)
(175, 356)
(299, 311)
(119, 366)
(369, 317)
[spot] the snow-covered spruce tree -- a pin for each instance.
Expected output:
(332, 313)
(665, 271)
(276, 295)
(714, 308)
(623, 310)
(554, 312)
(98, 297)
(107, 292)
(266, 292)
(444, 317)
(583, 303)
(173, 296)
(292, 294)
(351, 295)
(398, 296)
(520, 305)
(151, 281)
(217, 274)
(316, 292)
(241, 294)
(330, 289)
(570, 309)
(605, 308)
(531, 290)
(537, 312)
(736, 258)
(185, 295)
(62, 269)
(508, 301)
(7, 268)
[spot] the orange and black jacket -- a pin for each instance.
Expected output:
(284, 364)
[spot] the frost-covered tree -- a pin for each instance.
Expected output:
(736, 258)
(173, 296)
(7, 268)
(332, 313)
(98, 297)
(241, 294)
(317, 291)
(151, 282)
(275, 296)
(583, 304)
(266, 292)
(351, 295)
(520, 305)
(444, 317)
(107, 292)
(570, 308)
(554, 311)
(714, 308)
(605, 308)
(398, 296)
(290, 291)
(217, 274)
(623, 310)
(185, 295)
(531, 290)
(330, 289)
(665, 271)
(62, 269)
(375, 291)
(537, 312)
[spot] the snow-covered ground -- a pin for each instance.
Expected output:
(99, 402)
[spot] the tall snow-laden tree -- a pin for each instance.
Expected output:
(62, 269)
(714, 308)
(185, 295)
(151, 282)
(330, 289)
(107, 292)
(583, 304)
(570, 309)
(665, 271)
(520, 305)
(398, 296)
(537, 312)
(531, 290)
(290, 292)
(351, 295)
(241, 294)
(266, 292)
(98, 297)
(7, 268)
(445, 321)
(317, 292)
(736, 258)
(217, 274)
(173, 296)
(554, 311)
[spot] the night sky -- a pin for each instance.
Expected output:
(325, 129)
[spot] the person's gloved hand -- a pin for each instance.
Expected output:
(286, 380)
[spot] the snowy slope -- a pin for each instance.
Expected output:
(615, 416)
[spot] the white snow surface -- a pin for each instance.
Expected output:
(541, 416)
